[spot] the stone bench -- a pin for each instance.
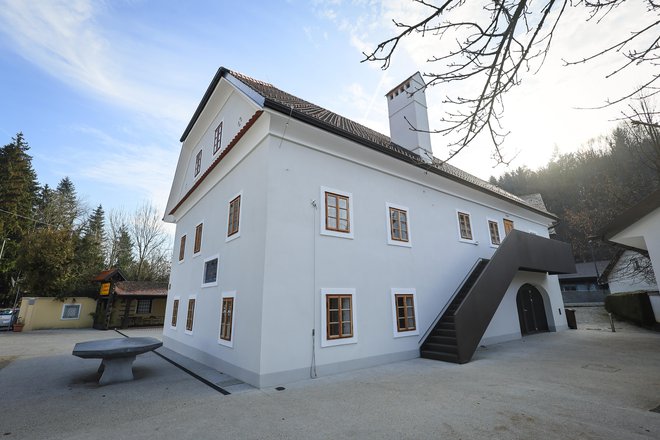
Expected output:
(117, 356)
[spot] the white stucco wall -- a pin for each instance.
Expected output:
(240, 265)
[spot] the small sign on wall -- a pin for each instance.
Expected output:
(105, 289)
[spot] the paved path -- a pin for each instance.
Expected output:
(582, 384)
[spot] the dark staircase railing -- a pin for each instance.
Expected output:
(457, 333)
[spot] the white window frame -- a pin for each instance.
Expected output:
(499, 231)
(230, 343)
(64, 306)
(217, 272)
(178, 313)
(390, 240)
(186, 331)
(324, 230)
(458, 227)
(325, 342)
(240, 219)
(395, 328)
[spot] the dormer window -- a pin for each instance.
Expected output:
(217, 138)
(198, 163)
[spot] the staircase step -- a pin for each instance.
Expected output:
(447, 357)
(440, 348)
(446, 340)
(448, 318)
(450, 333)
(445, 326)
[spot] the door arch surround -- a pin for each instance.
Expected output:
(531, 310)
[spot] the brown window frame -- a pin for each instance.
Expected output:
(226, 318)
(495, 239)
(233, 223)
(217, 138)
(340, 322)
(465, 223)
(190, 314)
(508, 226)
(405, 308)
(199, 229)
(175, 312)
(338, 197)
(182, 247)
(395, 234)
(198, 163)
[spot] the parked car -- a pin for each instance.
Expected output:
(8, 318)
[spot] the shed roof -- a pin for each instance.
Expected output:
(283, 102)
(109, 274)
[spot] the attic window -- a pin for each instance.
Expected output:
(198, 163)
(217, 138)
(407, 85)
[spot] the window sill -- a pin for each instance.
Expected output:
(233, 237)
(228, 344)
(336, 342)
(473, 242)
(404, 334)
(205, 285)
(391, 242)
(338, 234)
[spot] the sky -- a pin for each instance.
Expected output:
(102, 90)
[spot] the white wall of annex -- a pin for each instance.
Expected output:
(300, 261)
(240, 265)
(505, 325)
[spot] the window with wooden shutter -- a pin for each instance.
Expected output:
(226, 319)
(234, 216)
(198, 238)
(494, 230)
(405, 312)
(191, 314)
(337, 215)
(175, 312)
(182, 248)
(398, 224)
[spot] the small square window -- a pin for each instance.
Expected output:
(71, 311)
(143, 307)
(226, 319)
(234, 216)
(464, 226)
(198, 163)
(217, 138)
(508, 226)
(182, 248)
(198, 238)
(494, 230)
(175, 312)
(191, 315)
(210, 272)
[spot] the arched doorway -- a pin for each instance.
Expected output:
(531, 310)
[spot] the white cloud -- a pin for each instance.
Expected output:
(64, 38)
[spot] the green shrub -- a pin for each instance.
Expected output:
(633, 306)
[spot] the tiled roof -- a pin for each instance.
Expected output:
(140, 288)
(535, 200)
(311, 113)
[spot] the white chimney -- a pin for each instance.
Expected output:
(409, 119)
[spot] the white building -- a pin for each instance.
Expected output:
(309, 244)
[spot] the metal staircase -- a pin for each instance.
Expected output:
(454, 337)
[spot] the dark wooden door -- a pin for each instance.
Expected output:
(531, 310)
